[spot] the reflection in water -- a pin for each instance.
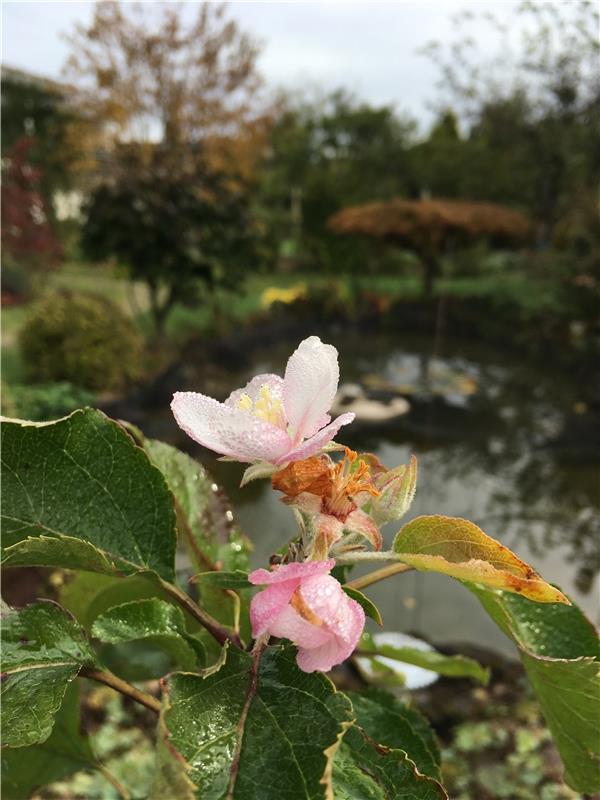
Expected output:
(480, 424)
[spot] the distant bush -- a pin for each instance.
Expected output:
(83, 339)
(45, 401)
(16, 282)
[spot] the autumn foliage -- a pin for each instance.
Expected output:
(27, 235)
(410, 221)
(157, 77)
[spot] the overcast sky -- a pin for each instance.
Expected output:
(370, 48)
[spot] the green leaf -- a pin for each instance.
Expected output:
(458, 548)
(171, 773)
(205, 521)
(236, 579)
(63, 551)
(43, 649)
(368, 605)
(560, 652)
(366, 770)
(226, 596)
(207, 528)
(450, 666)
(256, 728)
(88, 594)
(83, 477)
(256, 471)
(67, 750)
(156, 622)
(393, 724)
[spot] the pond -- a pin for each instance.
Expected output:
(484, 426)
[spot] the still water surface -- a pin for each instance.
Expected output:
(482, 423)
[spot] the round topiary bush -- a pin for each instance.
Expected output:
(83, 339)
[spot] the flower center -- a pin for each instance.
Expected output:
(265, 407)
(338, 485)
(350, 477)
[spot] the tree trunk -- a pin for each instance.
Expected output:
(160, 311)
(430, 271)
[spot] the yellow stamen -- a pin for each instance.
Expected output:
(265, 407)
(348, 481)
(245, 403)
(351, 480)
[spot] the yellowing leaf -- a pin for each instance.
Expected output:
(458, 548)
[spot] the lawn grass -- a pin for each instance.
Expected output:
(516, 287)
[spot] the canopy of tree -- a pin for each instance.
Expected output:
(178, 231)
(408, 221)
(154, 73)
(429, 226)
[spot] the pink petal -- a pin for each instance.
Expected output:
(319, 440)
(228, 431)
(361, 523)
(323, 595)
(267, 605)
(309, 386)
(290, 625)
(342, 616)
(329, 528)
(321, 658)
(337, 649)
(305, 501)
(349, 625)
(349, 628)
(252, 389)
(290, 572)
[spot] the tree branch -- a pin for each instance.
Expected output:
(216, 630)
(121, 686)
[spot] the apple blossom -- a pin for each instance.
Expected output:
(272, 419)
(330, 497)
(305, 604)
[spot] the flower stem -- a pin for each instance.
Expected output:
(378, 575)
(122, 686)
(121, 790)
(218, 631)
(366, 557)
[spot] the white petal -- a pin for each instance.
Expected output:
(319, 440)
(309, 386)
(252, 389)
(228, 431)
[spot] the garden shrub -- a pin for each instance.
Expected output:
(45, 401)
(82, 339)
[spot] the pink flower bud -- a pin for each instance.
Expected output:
(306, 605)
